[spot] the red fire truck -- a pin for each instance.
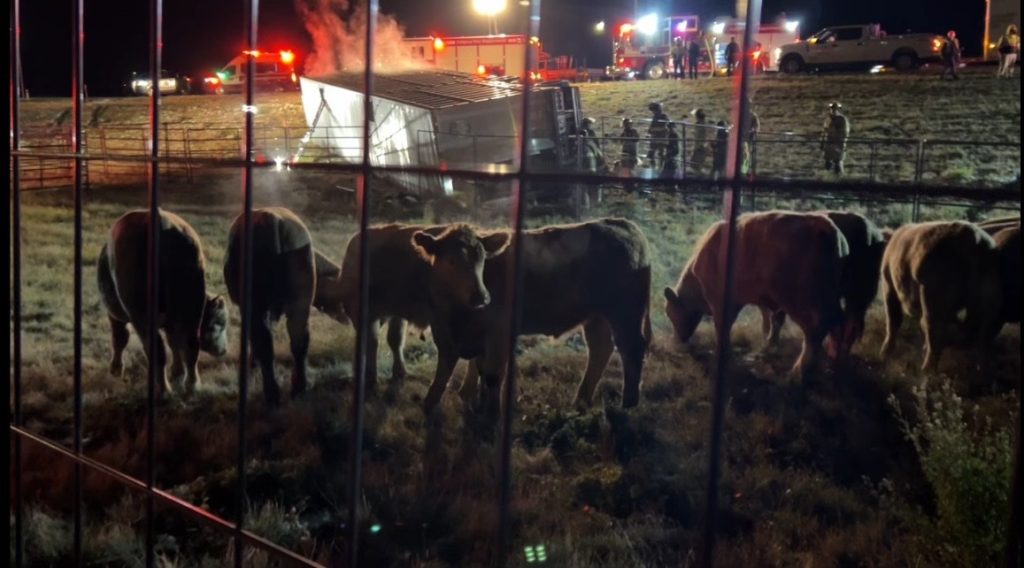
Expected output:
(493, 56)
(640, 48)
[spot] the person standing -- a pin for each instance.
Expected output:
(668, 169)
(1009, 50)
(753, 128)
(677, 58)
(630, 139)
(720, 150)
(833, 138)
(731, 54)
(658, 133)
(693, 55)
(700, 140)
(950, 55)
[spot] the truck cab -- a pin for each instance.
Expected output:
(275, 71)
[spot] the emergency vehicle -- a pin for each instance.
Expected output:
(640, 48)
(275, 71)
(491, 56)
(763, 51)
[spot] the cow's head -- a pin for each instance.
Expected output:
(457, 259)
(685, 308)
(213, 333)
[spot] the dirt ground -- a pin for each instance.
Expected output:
(819, 473)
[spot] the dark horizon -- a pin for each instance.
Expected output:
(201, 36)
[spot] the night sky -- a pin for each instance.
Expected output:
(202, 35)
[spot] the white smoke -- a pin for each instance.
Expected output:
(338, 30)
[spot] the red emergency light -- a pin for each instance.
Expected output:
(438, 44)
(287, 56)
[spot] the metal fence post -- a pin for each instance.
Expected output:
(77, 100)
(15, 104)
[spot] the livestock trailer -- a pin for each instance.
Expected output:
(439, 119)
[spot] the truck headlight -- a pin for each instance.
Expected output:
(140, 83)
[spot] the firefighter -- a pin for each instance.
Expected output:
(950, 55)
(630, 139)
(693, 54)
(657, 133)
(1009, 49)
(668, 169)
(731, 52)
(677, 58)
(593, 157)
(720, 150)
(700, 140)
(833, 138)
(753, 128)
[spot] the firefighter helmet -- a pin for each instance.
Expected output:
(654, 107)
(835, 106)
(588, 122)
(626, 123)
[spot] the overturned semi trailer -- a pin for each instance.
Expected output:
(438, 119)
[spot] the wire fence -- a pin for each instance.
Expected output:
(154, 152)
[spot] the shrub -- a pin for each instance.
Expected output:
(969, 471)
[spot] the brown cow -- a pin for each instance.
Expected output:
(859, 285)
(191, 319)
(415, 271)
(993, 226)
(595, 274)
(784, 261)
(285, 270)
(935, 270)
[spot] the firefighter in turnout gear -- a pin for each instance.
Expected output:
(593, 157)
(630, 138)
(833, 138)
(657, 133)
(701, 133)
(668, 170)
(754, 128)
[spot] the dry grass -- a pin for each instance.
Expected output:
(597, 488)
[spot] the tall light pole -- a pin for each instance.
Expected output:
(490, 9)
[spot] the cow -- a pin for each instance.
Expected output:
(934, 271)
(415, 273)
(783, 261)
(859, 284)
(993, 226)
(595, 274)
(190, 318)
(285, 282)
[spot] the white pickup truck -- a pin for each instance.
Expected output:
(855, 46)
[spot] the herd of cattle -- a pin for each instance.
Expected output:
(822, 270)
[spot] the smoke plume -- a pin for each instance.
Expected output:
(338, 30)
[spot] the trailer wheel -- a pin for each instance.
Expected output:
(654, 70)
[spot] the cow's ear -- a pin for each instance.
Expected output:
(671, 295)
(425, 241)
(496, 244)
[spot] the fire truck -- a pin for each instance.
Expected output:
(640, 48)
(492, 56)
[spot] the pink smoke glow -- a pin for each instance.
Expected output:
(338, 30)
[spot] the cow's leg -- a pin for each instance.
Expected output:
(446, 360)
(933, 324)
(297, 321)
(372, 345)
(771, 325)
(470, 382)
(184, 346)
(893, 314)
(396, 341)
(263, 347)
(162, 385)
(598, 333)
(118, 341)
(814, 333)
(632, 344)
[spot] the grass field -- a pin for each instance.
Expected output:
(818, 474)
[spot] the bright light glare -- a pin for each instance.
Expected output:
(489, 7)
(791, 25)
(599, 27)
(648, 25)
(877, 68)
(278, 164)
(718, 28)
(681, 27)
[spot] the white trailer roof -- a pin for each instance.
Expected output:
(426, 89)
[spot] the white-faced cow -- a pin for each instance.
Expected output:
(783, 261)
(416, 272)
(934, 271)
(595, 274)
(285, 270)
(859, 284)
(190, 318)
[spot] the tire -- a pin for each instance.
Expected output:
(792, 64)
(904, 61)
(654, 70)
